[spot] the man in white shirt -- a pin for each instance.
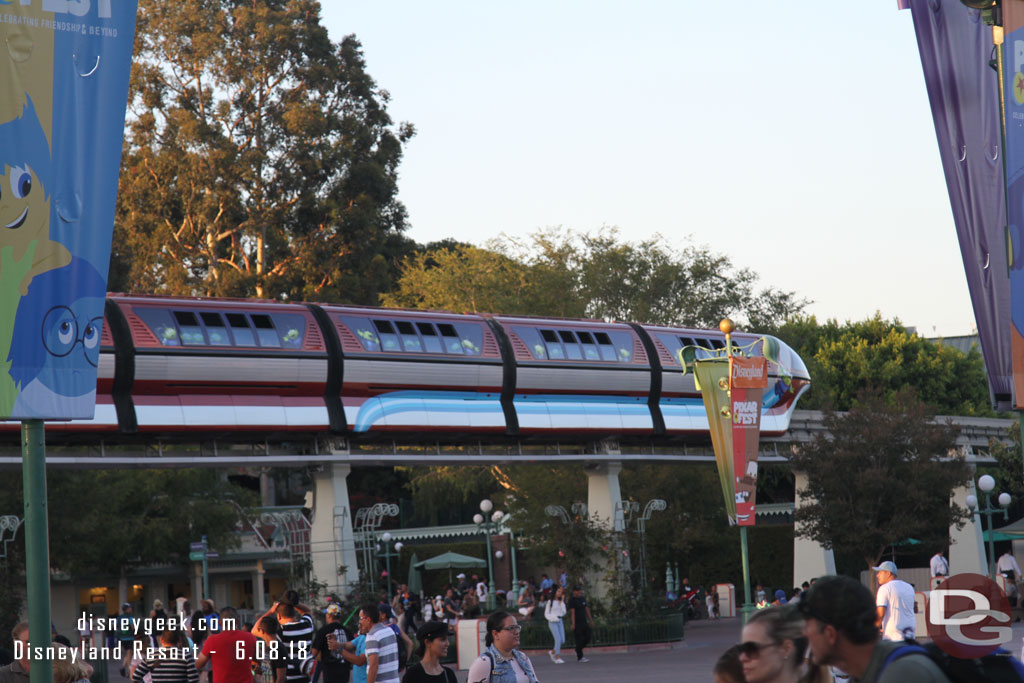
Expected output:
(939, 566)
(894, 603)
(1007, 563)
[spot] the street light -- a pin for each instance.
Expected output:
(986, 483)
(488, 526)
(386, 537)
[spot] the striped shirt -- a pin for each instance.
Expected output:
(383, 642)
(296, 640)
(172, 665)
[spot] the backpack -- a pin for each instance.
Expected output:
(997, 667)
(403, 654)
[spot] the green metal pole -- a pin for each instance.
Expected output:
(515, 572)
(491, 597)
(37, 548)
(747, 606)
(206, 570)
(991, 545)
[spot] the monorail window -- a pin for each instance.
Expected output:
(430, 339)
(623, 343)
(407, 332)
(687, 341)
(160, 323)
(362, 328)
(554, 347)
(572, 348)
(240, 330)
(388, 338)
(188, 325)
(605, 346)
(471, 337)
(450, 338)
(291, 329)
(215, 329)
(533, 341)
(590, 351)
(717, 343)
(265, 332)
(704, 348)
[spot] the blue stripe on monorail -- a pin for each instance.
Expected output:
(413, 407)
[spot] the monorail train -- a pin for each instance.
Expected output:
(186, 367)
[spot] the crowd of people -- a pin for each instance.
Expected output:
(285, 645)
(834, 630)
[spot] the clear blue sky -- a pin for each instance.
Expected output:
(795, 137)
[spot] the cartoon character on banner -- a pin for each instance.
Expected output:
(26, 249)
(57, 372)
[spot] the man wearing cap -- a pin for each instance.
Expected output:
(327, 645)
(839, 626)
(894, 604)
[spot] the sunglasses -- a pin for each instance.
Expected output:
(515, 628)
(752, 649)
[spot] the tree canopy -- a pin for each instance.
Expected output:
(845, 359)
(594, 275)
(883, 472)
(104, 521)
(259, 160)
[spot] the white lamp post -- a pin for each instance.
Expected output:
(986, 483)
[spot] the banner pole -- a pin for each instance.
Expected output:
(37, 549)
(747, 609)
(747, 606)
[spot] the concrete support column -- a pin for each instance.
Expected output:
(810, 559)
(603, 494)
(333, 545)
(967, 546)
(258, 597)
(604, 499)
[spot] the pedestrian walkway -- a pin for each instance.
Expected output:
(689, 661)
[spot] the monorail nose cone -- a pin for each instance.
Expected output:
(726, 326)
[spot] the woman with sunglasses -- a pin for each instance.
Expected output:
(773, 648)
(501, 662)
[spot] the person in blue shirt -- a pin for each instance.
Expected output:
(354, 652)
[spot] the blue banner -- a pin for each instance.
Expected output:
(1013, 92)
(64, 68)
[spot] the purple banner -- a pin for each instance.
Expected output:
(963, 91)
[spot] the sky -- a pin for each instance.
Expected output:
(795, 138)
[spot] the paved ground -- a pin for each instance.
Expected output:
(690, 660)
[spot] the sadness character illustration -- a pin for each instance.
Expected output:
(26, 249)
(58, 343)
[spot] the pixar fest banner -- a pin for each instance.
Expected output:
(64, 67)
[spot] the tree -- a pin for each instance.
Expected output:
(884, 472)
(596, 275)
(259, 158)
(845, 359)
(167, 509)
(464, 279)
